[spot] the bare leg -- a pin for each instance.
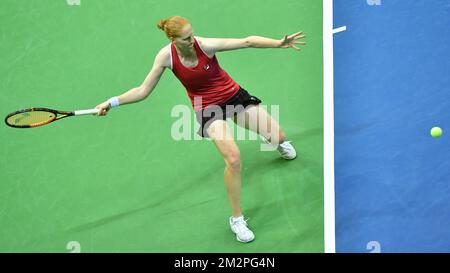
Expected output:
(219, 132)
(252, 119)
(256, 119)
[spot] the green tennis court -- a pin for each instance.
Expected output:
(121, 183)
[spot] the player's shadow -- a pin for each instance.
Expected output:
(187, 188)
(261, 166)
(209, 174)
(266, 219)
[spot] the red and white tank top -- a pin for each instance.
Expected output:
(207, 80)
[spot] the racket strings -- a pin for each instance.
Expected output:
(31, 118)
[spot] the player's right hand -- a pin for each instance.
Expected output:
(104, 108)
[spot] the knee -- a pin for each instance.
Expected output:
(233, 161)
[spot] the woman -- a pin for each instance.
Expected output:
(193, 61)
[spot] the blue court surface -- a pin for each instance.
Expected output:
(391, 86)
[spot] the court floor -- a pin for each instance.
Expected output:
(121, 183)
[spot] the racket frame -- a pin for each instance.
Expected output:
(62, 114)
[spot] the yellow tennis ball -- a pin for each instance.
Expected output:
(436, 132)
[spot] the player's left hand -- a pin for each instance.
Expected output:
(291, 41)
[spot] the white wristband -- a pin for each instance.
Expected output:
(114, 102)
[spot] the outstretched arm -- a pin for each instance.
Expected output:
(213, 45)
(139, 93)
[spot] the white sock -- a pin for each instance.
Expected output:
(269, 141)
(234, 219)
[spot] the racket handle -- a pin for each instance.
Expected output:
(86, 112)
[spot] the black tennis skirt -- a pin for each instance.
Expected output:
(236, 104)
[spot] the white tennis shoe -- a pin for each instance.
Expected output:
(286, 150)
(239, 227)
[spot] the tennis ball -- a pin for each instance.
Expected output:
(436, 132)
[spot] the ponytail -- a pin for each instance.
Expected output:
(172, 26)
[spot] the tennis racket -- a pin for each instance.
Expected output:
(33, 117)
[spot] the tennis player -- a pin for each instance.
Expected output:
(193, 61)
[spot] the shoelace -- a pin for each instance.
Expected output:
(284, 147)
(238, 224)
(286, 141)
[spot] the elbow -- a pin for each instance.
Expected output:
(142, 92)
(249, 41)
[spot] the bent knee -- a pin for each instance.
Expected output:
(233, 161)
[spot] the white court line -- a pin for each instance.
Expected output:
(328, 127)
(339, 29)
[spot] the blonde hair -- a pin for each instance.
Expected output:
(172, 26)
